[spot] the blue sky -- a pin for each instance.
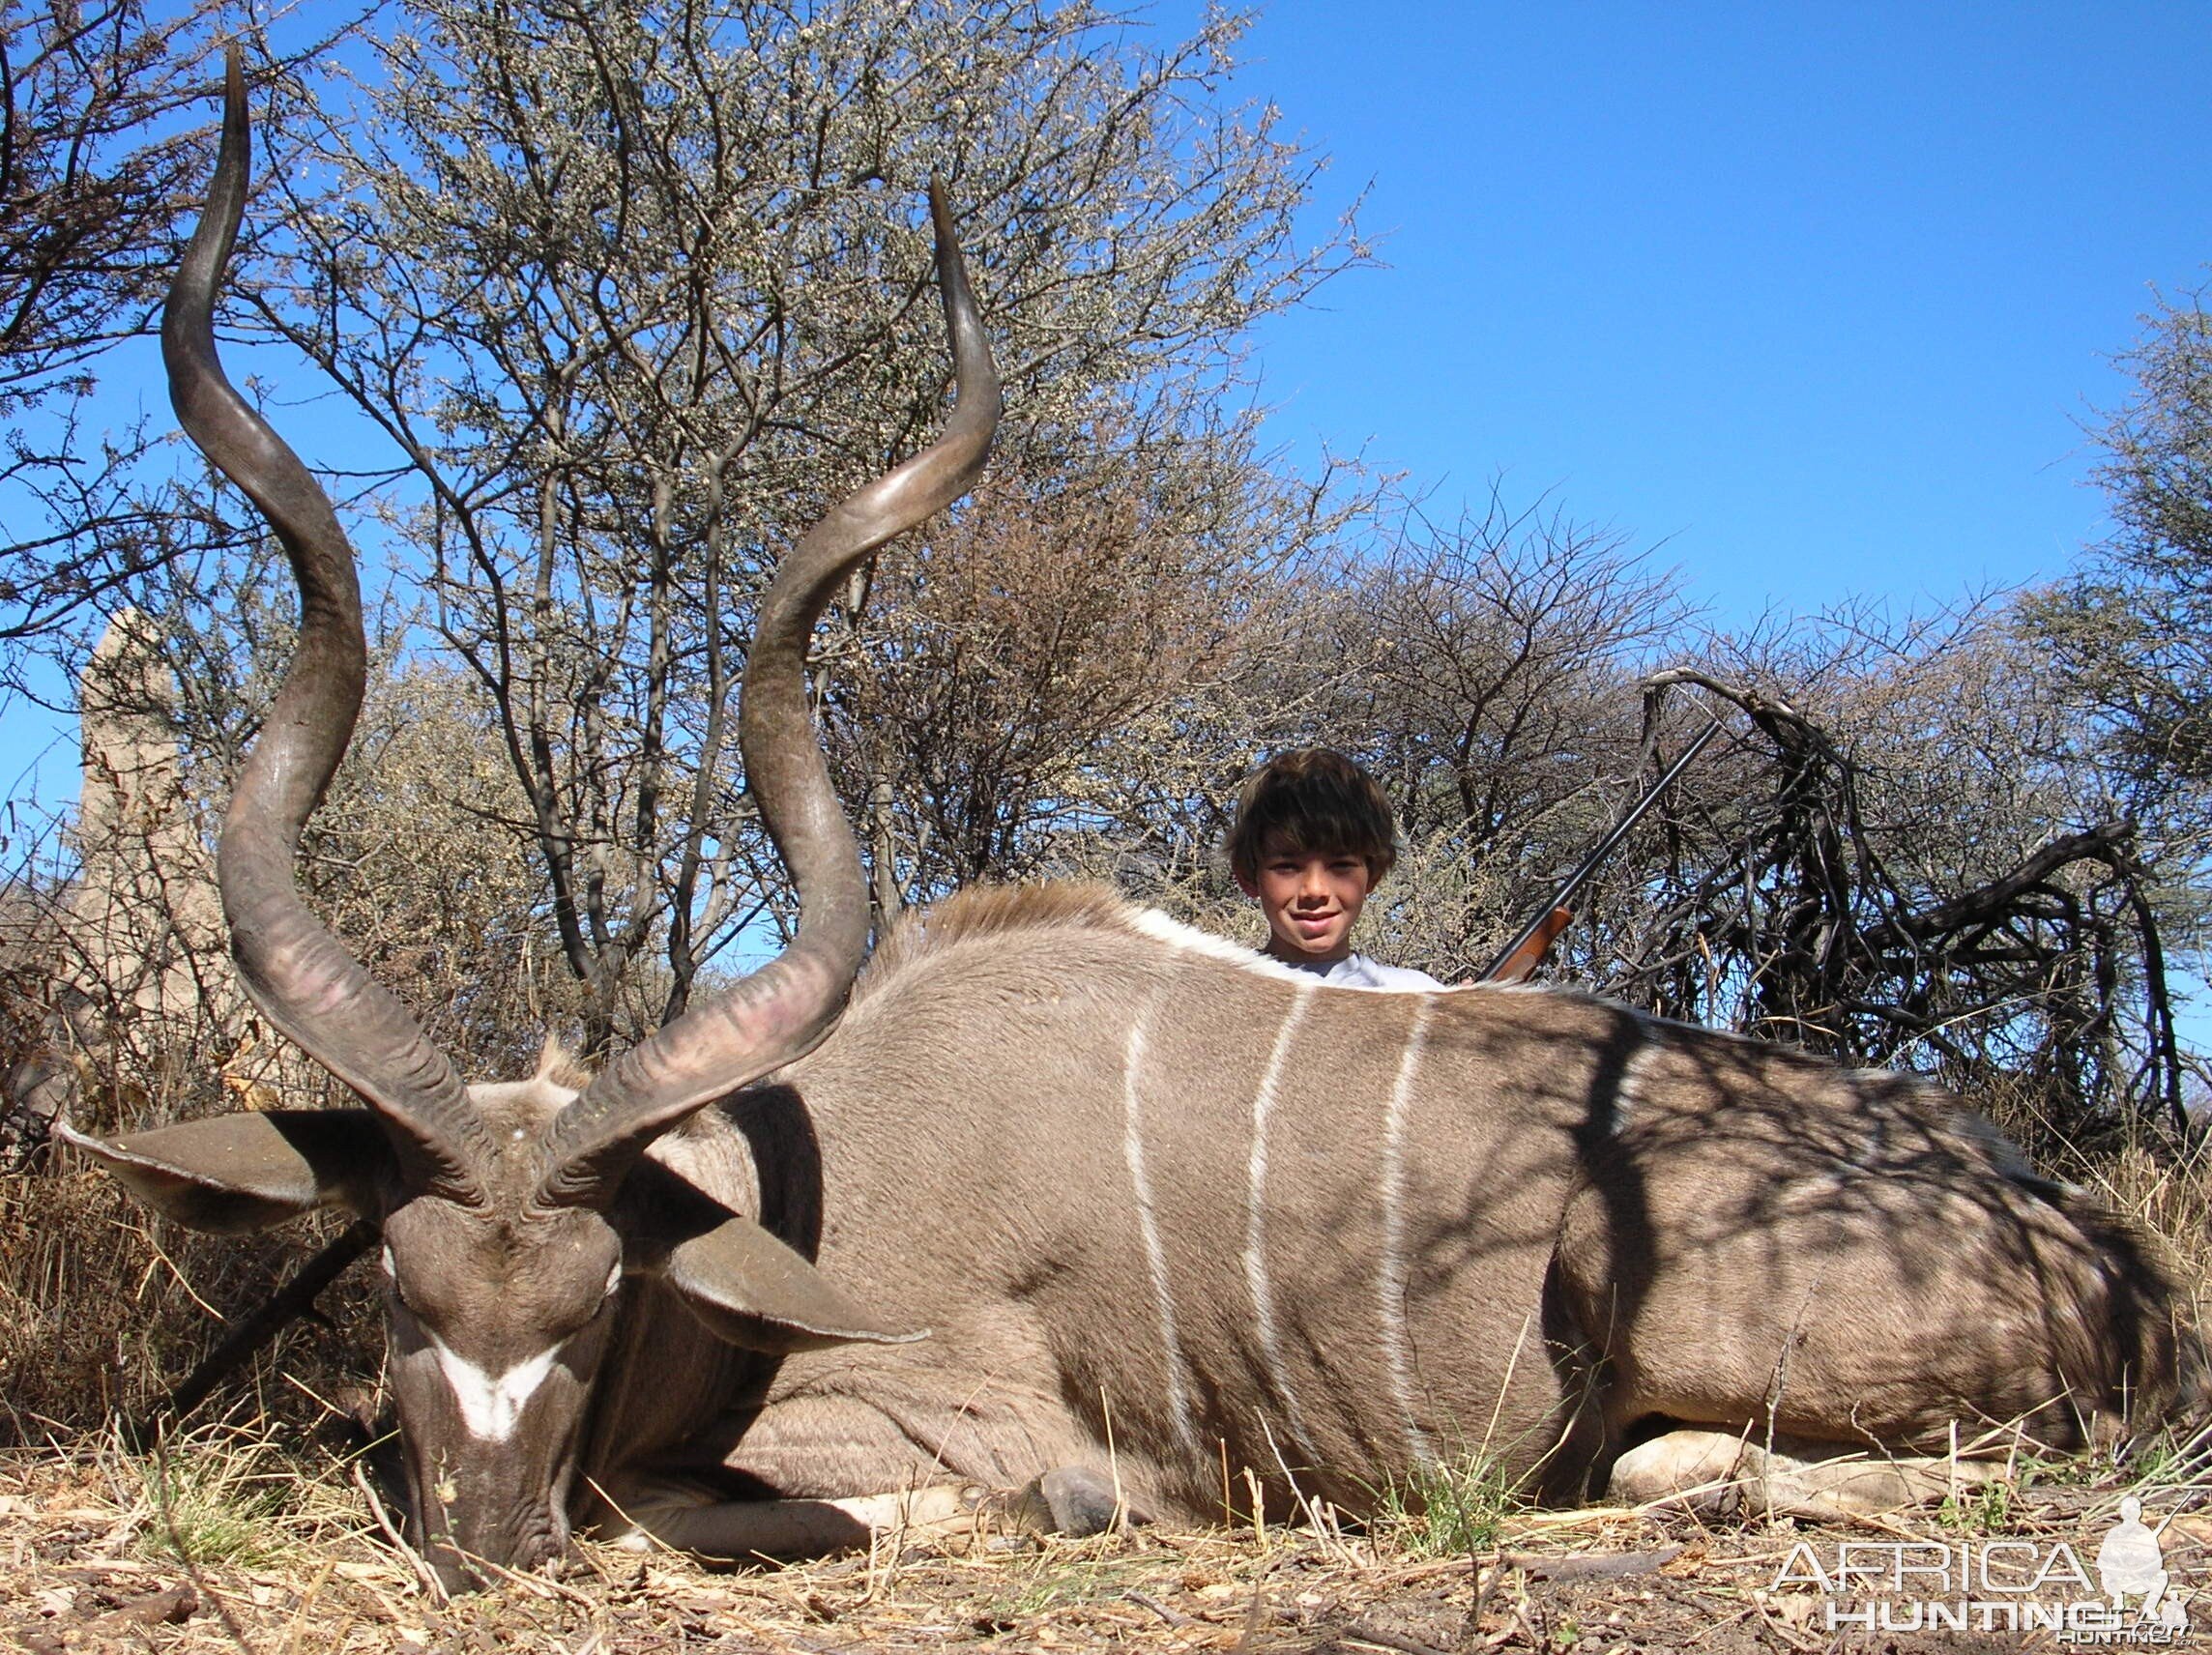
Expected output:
(1816, 295)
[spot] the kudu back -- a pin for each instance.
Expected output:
(1136, 1186)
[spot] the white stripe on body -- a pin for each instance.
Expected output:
(491, 1404)
(1148, 1225)
(1628, 1094)
(1255, 1222)
(1391, 1274)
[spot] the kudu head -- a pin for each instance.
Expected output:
(512, 1215)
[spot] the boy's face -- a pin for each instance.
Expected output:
(1311, 900)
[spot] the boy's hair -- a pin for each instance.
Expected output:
(1311, 801)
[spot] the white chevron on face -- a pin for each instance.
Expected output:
(491, 1404)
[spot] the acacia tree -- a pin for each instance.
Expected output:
(2132, 633)
(637, 289)
(104, 144)
(2127, 635)
(1030, 687)
(92, 190)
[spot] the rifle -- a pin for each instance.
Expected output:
(1533, 941)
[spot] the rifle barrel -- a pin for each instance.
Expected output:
(1590, 864)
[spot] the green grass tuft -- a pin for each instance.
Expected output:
(1449, 1508)
(1985, 1509)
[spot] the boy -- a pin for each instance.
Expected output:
(1313, 838)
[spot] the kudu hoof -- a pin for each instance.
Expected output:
(1073, 1501)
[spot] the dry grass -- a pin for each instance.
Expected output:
(91, 1537)
(102, 1307)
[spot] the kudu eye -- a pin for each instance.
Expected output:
(397, 1285)
(392, 1276)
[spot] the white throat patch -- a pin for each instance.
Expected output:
(491, 1404)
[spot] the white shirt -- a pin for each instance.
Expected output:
(1357, 970)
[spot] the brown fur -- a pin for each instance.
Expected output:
(1610, 1225)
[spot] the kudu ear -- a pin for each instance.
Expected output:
(746, 1286)
(239, 1172)
(751, 1290)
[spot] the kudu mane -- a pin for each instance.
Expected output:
(994, 911)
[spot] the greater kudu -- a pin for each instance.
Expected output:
(1141, 1186)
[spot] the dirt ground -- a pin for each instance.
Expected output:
(89, 1537)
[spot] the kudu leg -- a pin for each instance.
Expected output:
(791, 1530)
(1073, 1501)
(1723, 1475)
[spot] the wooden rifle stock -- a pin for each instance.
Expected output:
(1520, 961)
